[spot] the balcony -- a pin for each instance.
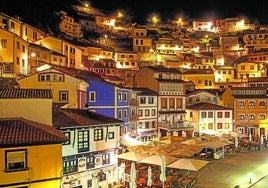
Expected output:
(175, 126)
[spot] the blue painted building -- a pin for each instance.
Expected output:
(109, 99)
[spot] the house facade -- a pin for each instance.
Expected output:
(90, 154)
(210, 118)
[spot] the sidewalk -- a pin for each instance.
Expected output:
(242, 170)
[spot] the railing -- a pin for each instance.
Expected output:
(176, 125)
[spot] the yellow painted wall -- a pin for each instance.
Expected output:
(39, 110)
(70, 84)
(44, 163)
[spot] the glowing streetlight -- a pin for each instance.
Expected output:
(119, 15)
(155, 20)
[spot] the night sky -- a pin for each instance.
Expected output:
(40, 11)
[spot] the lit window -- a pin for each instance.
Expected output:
(16, 160)
(252, 103)
(241, 103)
(120, 96)
(83, 141)
(147, 112)
(70, 166)
(68, 135)
(98, 134)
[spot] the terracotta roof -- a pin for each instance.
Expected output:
(63, 117)
(26, 93)
(164, 69)
(207, 106)
(22, 132)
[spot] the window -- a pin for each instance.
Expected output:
(70, 166)
(125, 97)
(261, 103)
(203, 114)
(210, 114)
(106, 159)
(147, 125)
(120, 96)
(226, 114)
(251, 103)
(142, 100)
(63, 95)
(147, 112)
(219, 126)
(119, 114)
(219, 114)
(243, 67)
(262, 116)
(4, 43)
(125, 113)
(251, 116)
(226, 125)
(98, 134)
(111, 135)
(16, 160)
(241, 103)
(153, 112)
(90, 162)
(140, 112)
(151, 100)
(68, 135)
(92, 96)
(241, 117)
(83, 141)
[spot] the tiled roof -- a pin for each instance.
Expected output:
(63, 117)
(207, 106)
(198, 71)
(26, 93)
(164, 69)
(22, 132)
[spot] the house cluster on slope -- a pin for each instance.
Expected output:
(82, 97)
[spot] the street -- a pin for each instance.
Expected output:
(239, 170)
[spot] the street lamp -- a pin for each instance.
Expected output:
(35, 55)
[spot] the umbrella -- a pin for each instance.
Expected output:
(133, 156)
(163, 177)
(149, 181)
(133, 176)
(193, 141)
(157, 160)
(213, 144)
(182, 153)
(188, 164)
(159, 150)
(154, 144)
(140, 148)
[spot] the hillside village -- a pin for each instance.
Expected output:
(100, 84)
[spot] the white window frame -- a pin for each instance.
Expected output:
(16, 160)
(90, 98)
